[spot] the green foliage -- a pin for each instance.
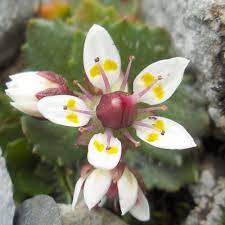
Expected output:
(90, 12)
(125, 8)
(163, 176)
(147, 44)
(53, 142)
(48, 47)
(9, 121)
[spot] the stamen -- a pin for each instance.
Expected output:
(143, 92)
(78, 94)
(84, 112)
(87, 128)
(104, 77)
(80, 141)
(127, 134)
(80, 111)
(109, 136)
(142, 124)
(151, 109)
(126, 76)
(86, 93)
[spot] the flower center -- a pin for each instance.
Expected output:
(116, 110)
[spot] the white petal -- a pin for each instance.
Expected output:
(10, 84)
(96, 186)
(77, 191)
(117, 84)
(141, 209)
(32, 81)
(99, 156)
(175, 136)
(128, 190)
(53, 109)
(19, 94)
(171, 71)
(29, 108)
(99, 44)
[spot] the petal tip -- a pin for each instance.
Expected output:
(183, 61)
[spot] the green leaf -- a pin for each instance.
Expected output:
(30, 184)
(19, 155)
(125, 8)
(159, 175)
(10, 128)
(48, 47)
(53, 142)
(90, 12)
(147, 44)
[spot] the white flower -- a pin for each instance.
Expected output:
(117, 110)
(97, 184)
(25, 89)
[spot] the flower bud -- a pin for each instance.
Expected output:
(27, 88)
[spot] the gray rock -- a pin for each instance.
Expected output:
(7, 207)
(198, 31)
(13, 17)
(82, 216)
(209, 195)
(39, 210)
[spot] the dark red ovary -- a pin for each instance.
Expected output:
(116, 110)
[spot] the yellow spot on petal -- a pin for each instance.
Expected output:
(110, 65)
(160, 125)
(152, 137)
(159, 92)
(72, 117)
(113, 150)
(148, 79)
(94, 71)
(98, 146)
(71, 104)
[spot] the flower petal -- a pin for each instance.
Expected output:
(96, 186)
(141, 210)
(61, 109)
(31, 81)
(29, 108)
(19, 94)
(171, 71)
(77, 191)
(164, 133)
(128, 191)
(101, 157)
(99, 44)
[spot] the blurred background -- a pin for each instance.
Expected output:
(38, 157)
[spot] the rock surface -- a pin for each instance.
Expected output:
(7, 206)
(209, 195)
(198, 31)
(13, 17)
(40, 210)
(82, 216)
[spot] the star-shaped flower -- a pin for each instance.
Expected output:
(114, 111)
